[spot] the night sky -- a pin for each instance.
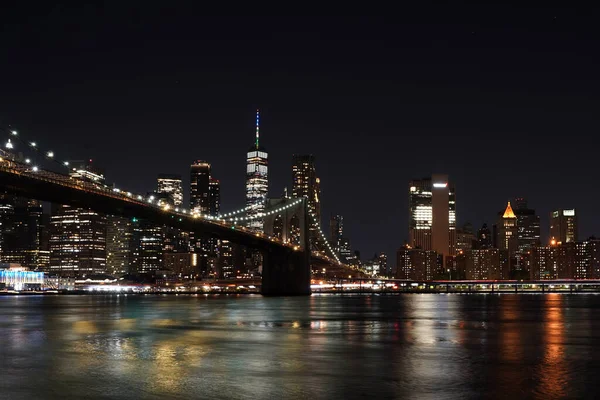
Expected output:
(505, 100)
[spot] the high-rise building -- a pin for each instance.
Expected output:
(119, 233)
(77, 241)
(528, 226)
(214, 197)
(465, 238)
(336, 227)
(484, 237)
(307, 184)
(199, 187)
(432, 215)
(148, 253)
(171, 186)
(257, 180)
(563, 225)
(506, 230)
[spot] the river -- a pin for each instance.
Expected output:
(424, 346)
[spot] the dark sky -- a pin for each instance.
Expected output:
(503, 99)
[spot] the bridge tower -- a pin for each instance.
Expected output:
(286, 272)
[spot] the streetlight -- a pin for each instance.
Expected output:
(450, 274)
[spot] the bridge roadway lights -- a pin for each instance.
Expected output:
(285, 272)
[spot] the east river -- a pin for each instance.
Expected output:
(422, 346)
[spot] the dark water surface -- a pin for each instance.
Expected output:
(319, 347)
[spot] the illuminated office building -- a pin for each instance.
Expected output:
(119, 233)
(307, 184)
(563, 225)
(199, 187)
(257, 180)
(432, 215)
(172, 187)
(77, 241)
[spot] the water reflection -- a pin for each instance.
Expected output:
(400, 346)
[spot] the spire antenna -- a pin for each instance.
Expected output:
(257, 126)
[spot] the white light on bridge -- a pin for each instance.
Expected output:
(9, 144)
(27, 160)
(50, 154)
(14, 133)
(66, 163)
(32, 144)
(35, 169)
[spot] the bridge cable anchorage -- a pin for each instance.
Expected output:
(314, 220)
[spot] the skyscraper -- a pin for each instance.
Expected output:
(199, 187)
(171, 185)
(528, 226)
(307, 184)
(506, 235)
(336, 227)
(563, 225)
(484, 237)
(257, 180)
(432, 215)
(148, 252)
(77, 241)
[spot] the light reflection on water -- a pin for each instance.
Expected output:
(417, 346)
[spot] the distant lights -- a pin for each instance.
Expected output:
(50, 154)
(9, 144)
(27, 161)
(35, 169)
(66, 163)
(32, 144)
(14, 133)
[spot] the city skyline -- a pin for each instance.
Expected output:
(365, 114)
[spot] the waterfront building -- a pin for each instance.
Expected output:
(77, 241)
(416, 264)
(483, 264)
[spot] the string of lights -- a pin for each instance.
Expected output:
(261, 215)
(314, 221)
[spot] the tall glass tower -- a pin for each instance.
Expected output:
(257, 180)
